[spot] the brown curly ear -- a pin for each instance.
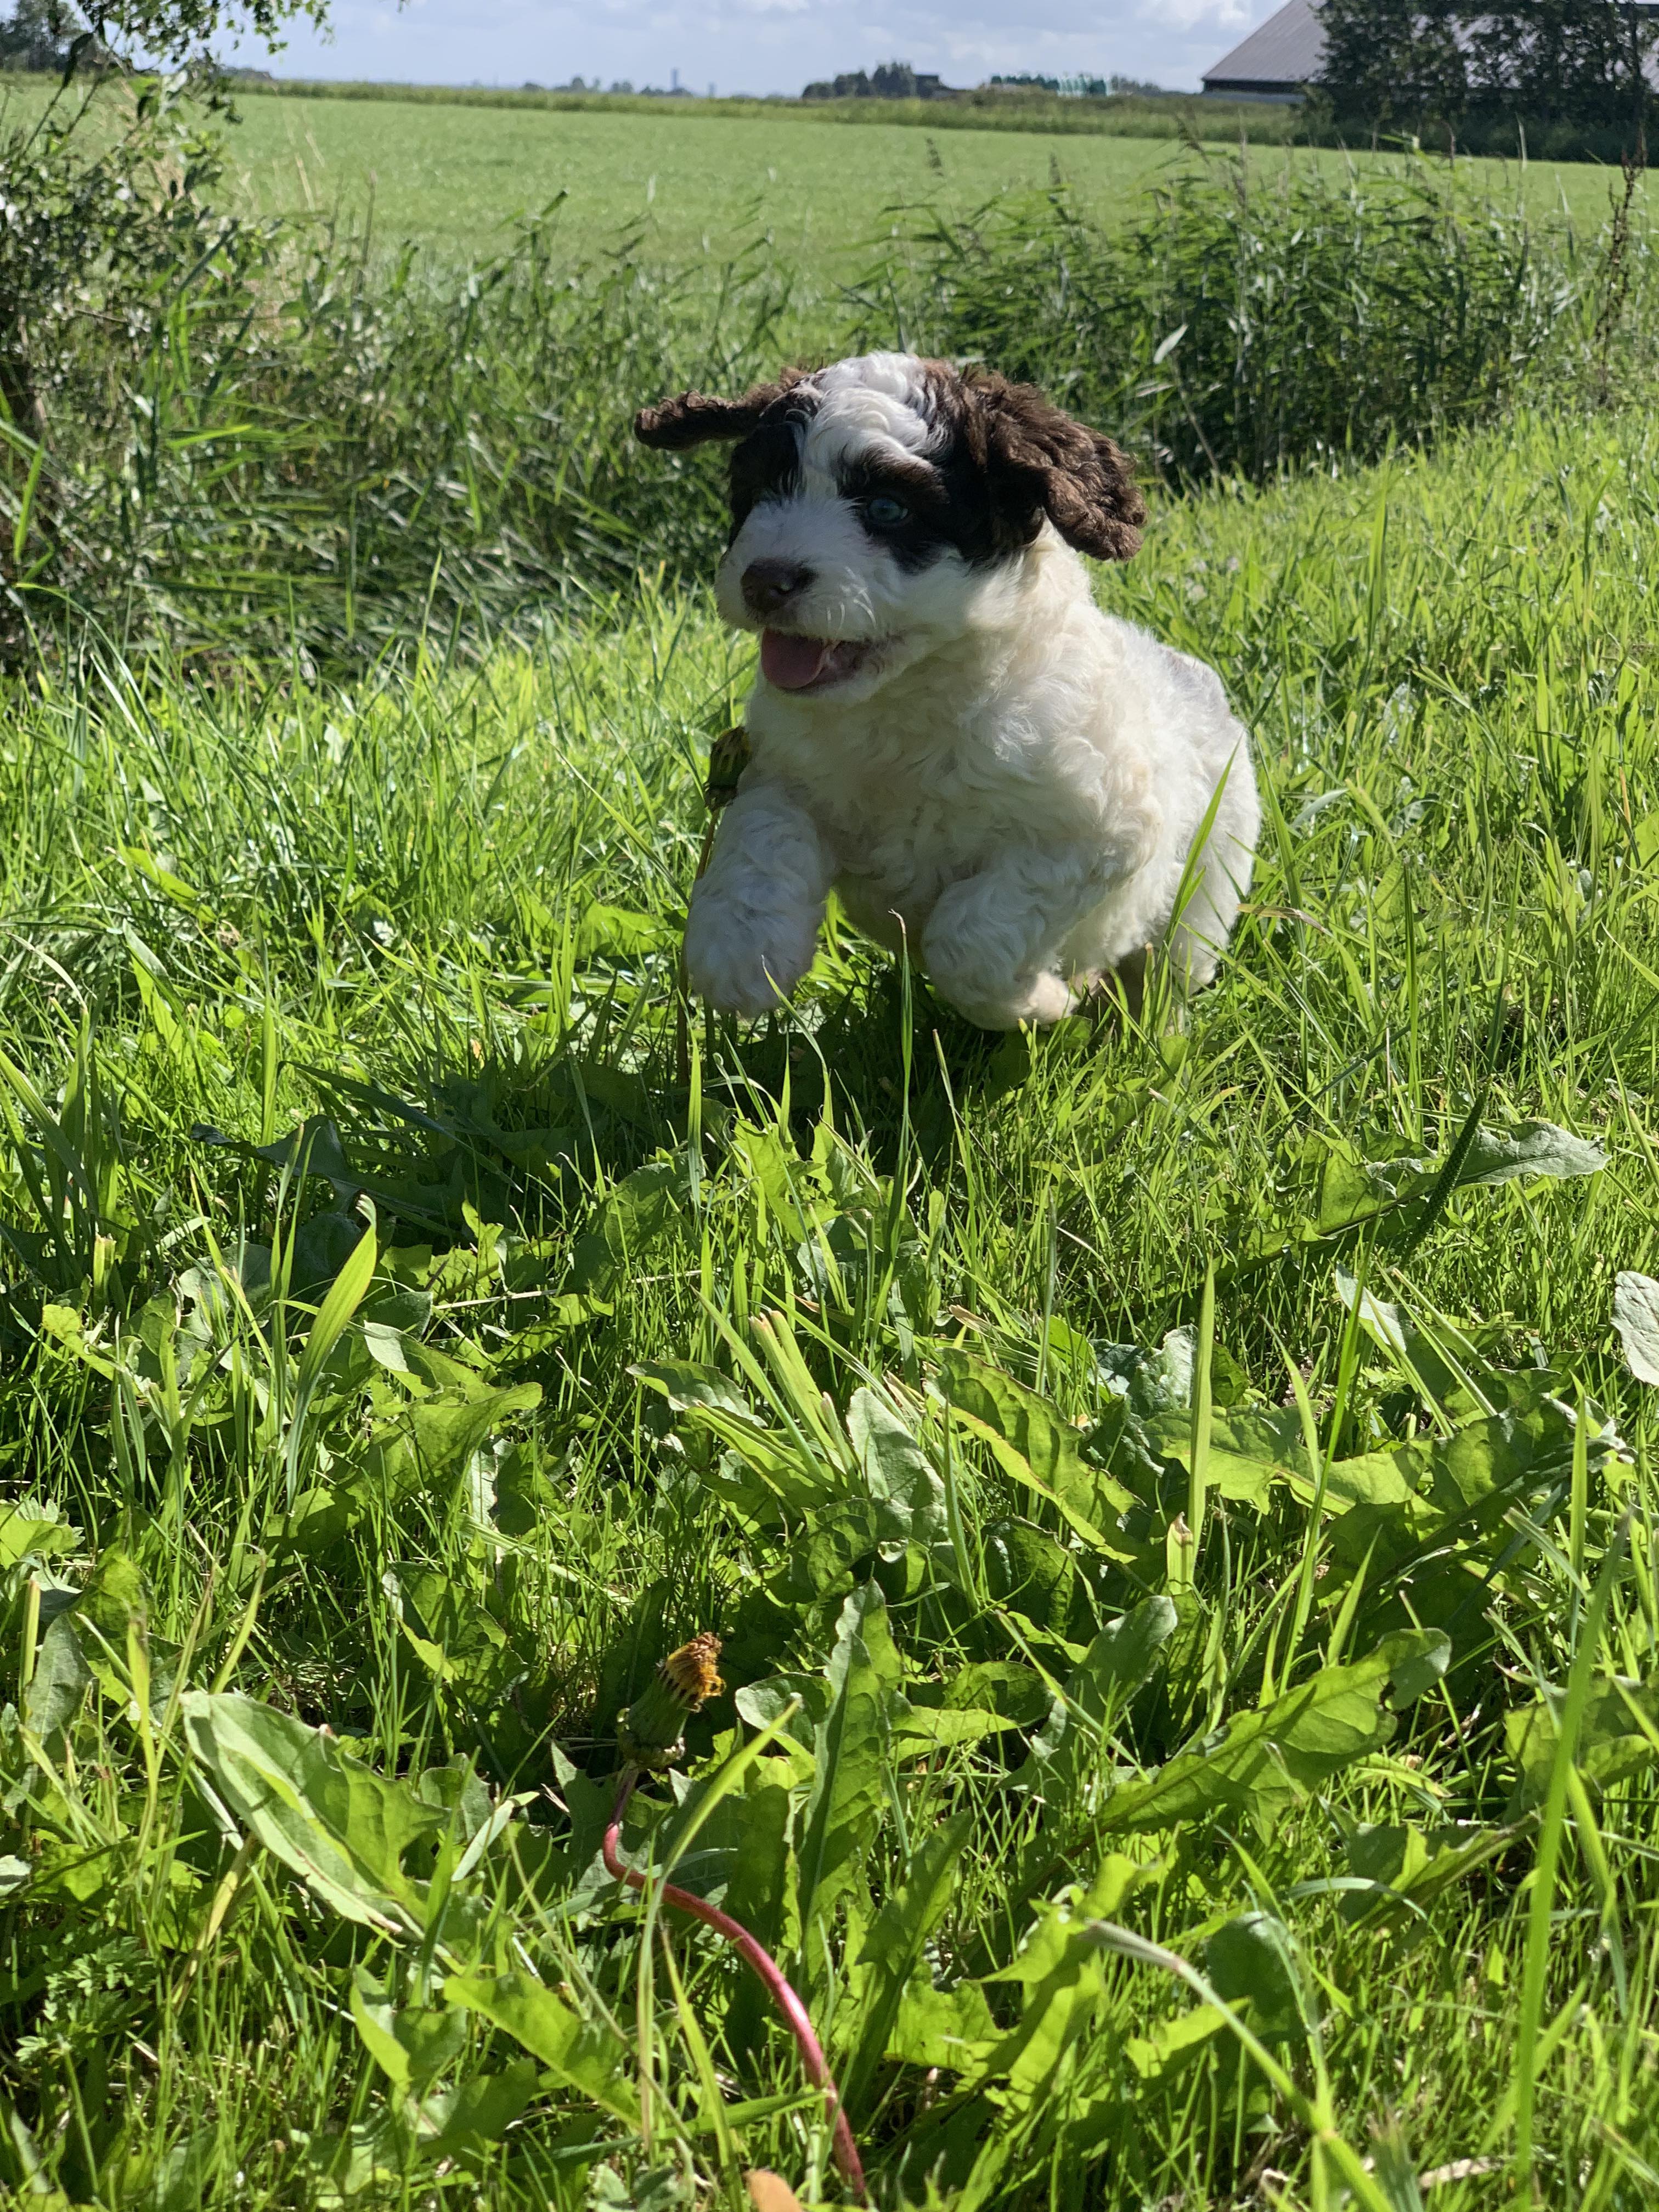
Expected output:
(693, 418)
(1039, 461)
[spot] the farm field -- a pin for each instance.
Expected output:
(1175, 1497)
(450, 175)
(453, 178)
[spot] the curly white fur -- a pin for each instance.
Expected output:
(1012, 783)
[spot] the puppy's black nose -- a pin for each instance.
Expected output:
(769, 586)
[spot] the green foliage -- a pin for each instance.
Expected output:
(1248, 323)
(33, 37)
(170, 33)
(1586, 61)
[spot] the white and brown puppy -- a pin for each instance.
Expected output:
(945, 728)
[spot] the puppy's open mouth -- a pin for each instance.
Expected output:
(812, 664)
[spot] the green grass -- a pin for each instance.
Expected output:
(448, 175)
(539, 1430)
(452, 175)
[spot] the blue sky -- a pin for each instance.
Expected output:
(765, 45)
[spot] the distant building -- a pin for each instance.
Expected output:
(1279, 61)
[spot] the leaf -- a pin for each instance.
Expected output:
(33, 1528)
(340, 1826)
(1263, 1758)
(893, 1948)
(926, 1729)
(1171, 2047)
(1063, 1969)
(313, 1149)
(1017, 1693)
(60, 1681)
(1250, 1450)
(850, 1747)
(1036, 1576)
(791, 1186)
(1529, 1148)
(481, 2110)
(1034, 1444)
(652, 1203)
(385, 1346)
(581, 2057)
(620, 931)
(1252, 1959)
(692, 1389)
(1613, 1741)
(905, 1486)
(346, 1293)
(1158, 1381)
(412, 2045)
(1409, 1865)
(447, 1432)
(948, 2029)
(1636, 1317)
(1067, 1752)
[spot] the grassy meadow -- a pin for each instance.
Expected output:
(1175, 1499)
(452, 176)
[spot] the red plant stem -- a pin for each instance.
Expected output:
(756, 1956)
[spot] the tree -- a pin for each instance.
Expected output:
(1394, 60)
(1580, 61)
(1413, 61)
(175, 34)
(35, 38)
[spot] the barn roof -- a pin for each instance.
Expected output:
(1278, 58)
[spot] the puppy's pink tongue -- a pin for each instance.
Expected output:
(791, 663)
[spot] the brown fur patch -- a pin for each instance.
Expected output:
(1038, 461)
(693, 418)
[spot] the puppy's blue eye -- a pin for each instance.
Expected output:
(885, 513)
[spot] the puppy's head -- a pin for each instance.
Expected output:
(873, 500)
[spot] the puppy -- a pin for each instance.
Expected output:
(945, 729)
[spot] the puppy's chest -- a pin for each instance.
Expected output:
(899, 838)
(904, 819)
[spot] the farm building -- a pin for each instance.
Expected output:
(1278, 61)
(1281, 58)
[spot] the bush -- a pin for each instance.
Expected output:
(298, 434)
(1245, 323)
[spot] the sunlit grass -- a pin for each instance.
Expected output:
(440, 909)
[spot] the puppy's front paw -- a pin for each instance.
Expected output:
(1004, 1004)
(741, 963)
(1045, 997)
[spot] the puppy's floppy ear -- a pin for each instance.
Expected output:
(1039, 461)
(693, 418)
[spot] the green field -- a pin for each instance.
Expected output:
(1176, 1494)
(452, 176)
